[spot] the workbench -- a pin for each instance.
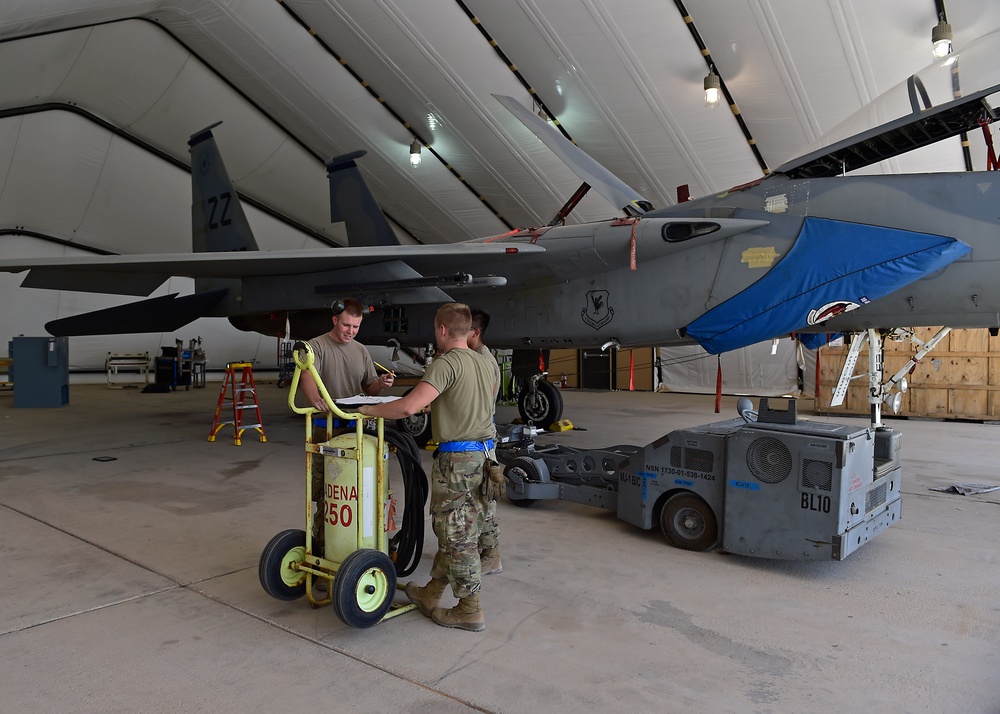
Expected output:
(127, 362)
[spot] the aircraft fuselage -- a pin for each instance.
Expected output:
(583, 290)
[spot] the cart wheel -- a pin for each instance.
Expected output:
(278, 574)
(281, 383)
(525, 470)
(363, 588)
(687, 522)
(543, 406)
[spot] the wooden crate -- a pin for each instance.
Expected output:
(564, 362)
(568, 362)
(958, 379)
(642, 358)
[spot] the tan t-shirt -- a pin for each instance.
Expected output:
(346, 369)
(463, 411)
(485, 352)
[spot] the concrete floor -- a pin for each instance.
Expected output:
(131, 585)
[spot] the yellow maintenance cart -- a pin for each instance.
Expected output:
(355, 555)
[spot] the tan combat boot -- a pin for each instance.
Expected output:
(466, 615)
(490, 559)
(427, 597)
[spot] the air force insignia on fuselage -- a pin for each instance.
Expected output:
(598, 312)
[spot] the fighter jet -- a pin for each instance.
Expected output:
(804, 250)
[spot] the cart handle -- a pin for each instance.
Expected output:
(305, 360)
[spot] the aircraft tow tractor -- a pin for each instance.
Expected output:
(354, 557)
(767, 484)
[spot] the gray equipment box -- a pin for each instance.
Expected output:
(40, 371)
(808, 491)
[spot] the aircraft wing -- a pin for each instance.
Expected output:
(141, 274)
(940, 101)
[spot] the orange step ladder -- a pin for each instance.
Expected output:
(244, 397)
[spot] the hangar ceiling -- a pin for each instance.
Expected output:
(99, 99)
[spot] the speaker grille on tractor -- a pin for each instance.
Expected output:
(769, 460)
(699, 460)
(817, 474)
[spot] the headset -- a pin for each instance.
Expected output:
(339, 305)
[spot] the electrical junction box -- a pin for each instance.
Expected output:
(40, 371)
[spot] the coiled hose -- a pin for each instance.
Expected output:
(406, 546)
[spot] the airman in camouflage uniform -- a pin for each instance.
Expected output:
(489, 537)
(346, 369)
(462, 387)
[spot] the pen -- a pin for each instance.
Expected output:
(385, 368)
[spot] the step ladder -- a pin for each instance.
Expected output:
(243, 397)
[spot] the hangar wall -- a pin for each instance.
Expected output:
(753, 370)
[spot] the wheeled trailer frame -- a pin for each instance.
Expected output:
(766, 485)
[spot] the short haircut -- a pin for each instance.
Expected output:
(456, 318)
(353, 308)
(480, 320)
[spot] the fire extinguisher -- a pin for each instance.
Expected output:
(562, 381)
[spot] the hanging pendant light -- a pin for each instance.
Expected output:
(713, 89)
(941, 39)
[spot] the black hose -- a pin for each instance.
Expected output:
(407, 545)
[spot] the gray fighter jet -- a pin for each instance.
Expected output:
(804, 250)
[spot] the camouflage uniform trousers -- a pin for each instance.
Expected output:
(490, 536)
(458, 514)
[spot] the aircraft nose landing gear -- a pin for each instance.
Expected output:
(540, 403)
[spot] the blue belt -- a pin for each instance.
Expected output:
(337, 423)
(466, 445)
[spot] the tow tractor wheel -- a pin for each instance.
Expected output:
(687, 522)
(542, 406)
(525, 470)
(277, 568)
(418, 426)
(363, 588)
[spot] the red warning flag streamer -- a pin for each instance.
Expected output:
(390, 524)
(631, 248)
(541, 361)
(818, 353)
(718, 385)
(631, 243)
(991, 156)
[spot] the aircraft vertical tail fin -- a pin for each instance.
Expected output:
(218, 222)
(352, 201)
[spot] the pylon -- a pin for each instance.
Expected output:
(243, 397)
